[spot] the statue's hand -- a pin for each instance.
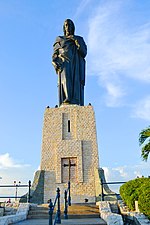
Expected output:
(77, 43)
(57, 67)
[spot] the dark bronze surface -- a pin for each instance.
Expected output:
(69, 63)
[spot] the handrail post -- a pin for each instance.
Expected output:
(66, 205)
(29, 193)
(58, 220)
(102, 195)
(50, 212)
(69, 197)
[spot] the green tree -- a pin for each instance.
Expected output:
(144, 141)
(137, 190)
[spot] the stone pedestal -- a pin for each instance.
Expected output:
(69, 151)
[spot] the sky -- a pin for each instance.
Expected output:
(117, 34)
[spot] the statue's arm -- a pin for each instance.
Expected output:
(55, 57)
(81, 46)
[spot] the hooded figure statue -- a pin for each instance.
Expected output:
(69, 63)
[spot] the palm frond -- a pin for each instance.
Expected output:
(144, 135)
(145, 151)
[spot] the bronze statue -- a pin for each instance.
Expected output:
(69, 63)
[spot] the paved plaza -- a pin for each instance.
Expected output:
(88, 221)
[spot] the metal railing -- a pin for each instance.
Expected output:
(52, 207)
(102, 185)
(67, 201)
(18, 186)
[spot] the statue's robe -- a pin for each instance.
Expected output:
(71, 69)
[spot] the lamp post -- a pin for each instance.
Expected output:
(16, 185)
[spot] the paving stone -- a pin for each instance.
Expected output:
(89, 221)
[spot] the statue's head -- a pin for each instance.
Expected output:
(68, 27)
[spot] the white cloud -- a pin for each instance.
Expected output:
(126, 173)
(11, 171)
(114, 94)
(142, 109)
(116, 50)
(81, 7)
(8, 162)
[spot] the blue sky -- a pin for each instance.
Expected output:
(117, 33)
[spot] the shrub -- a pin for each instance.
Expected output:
(144, 199)
(137, 190)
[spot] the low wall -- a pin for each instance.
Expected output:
(20, 215)
(1, 211)
(141, 219)
(107, 215)
(137, 217)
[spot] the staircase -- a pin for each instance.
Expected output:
(77, 214)
(38, 212)
(114, 206)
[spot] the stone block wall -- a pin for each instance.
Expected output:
(69, 132)
(107, 215)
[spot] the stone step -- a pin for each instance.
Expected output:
(38, 208)
(77, 211)
(73, 216)
(88, 221)
(96, 221)
(114, 207)
(34, 212)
